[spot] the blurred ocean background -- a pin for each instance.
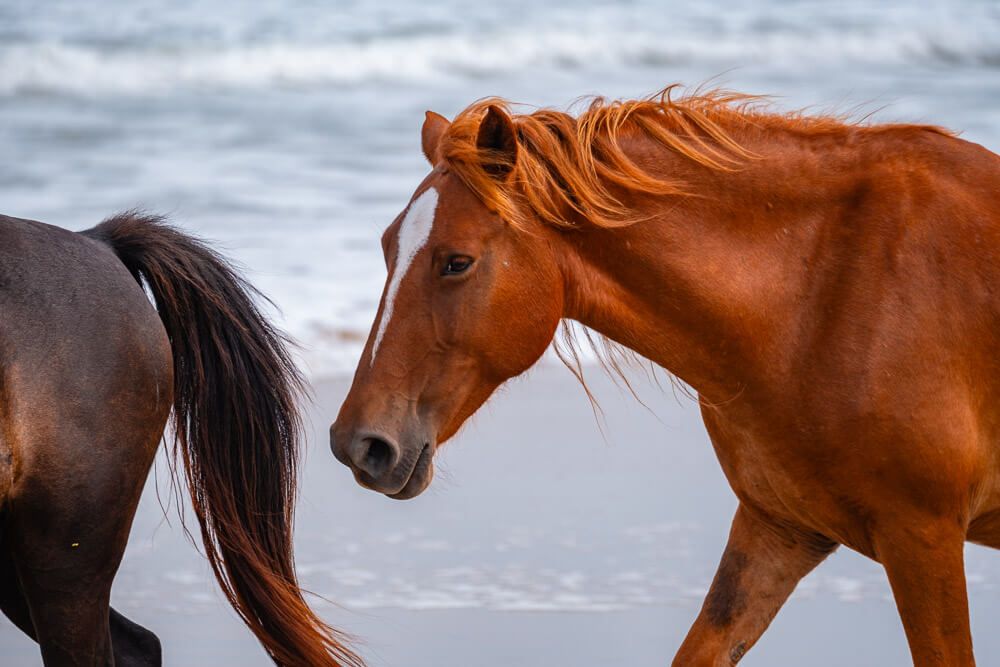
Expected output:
(288, 133)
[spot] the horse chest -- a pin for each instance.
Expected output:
(787, 483)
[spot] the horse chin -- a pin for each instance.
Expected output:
(420, 478)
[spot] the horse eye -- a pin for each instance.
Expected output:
(456, 264)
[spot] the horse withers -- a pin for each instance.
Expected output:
(89, 373)
(831, 290)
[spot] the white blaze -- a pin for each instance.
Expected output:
(412, 236)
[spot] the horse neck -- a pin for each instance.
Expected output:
(710, 286)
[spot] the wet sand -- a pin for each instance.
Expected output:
(539, 543)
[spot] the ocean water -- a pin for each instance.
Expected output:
(288, 131)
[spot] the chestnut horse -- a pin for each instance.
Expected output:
(88, 376)
(831, 291)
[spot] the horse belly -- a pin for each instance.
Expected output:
(984, 527)
(845, 479)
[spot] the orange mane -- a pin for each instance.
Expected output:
(567, 167)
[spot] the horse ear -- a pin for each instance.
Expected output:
(434, 128)
(498, 136)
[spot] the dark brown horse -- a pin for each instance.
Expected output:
(831, 290)
(89, 373)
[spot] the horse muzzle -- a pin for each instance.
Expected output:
(381, 464)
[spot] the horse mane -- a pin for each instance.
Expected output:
(568, 167)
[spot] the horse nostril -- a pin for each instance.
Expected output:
(377, 456)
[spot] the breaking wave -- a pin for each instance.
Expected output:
(63, 67)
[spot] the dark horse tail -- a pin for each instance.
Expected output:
(236, 431)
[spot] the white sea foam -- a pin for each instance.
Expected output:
(602, 40)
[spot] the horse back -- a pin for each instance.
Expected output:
(962, 251)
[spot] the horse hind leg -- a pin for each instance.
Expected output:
(12, 601)
(68, 523)
(66, 593)
(133, 645)
(64, 576)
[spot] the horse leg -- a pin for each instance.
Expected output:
(69, 610)
(926, 571)
(134, 645)
(762, 564)
(67, 587)
(68, 524)
(65, 571)
(12, 601)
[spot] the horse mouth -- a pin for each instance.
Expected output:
(420, 476)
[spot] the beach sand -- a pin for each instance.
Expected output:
(540, 542)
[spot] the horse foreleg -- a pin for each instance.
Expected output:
(760, 568)
(926, 570)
